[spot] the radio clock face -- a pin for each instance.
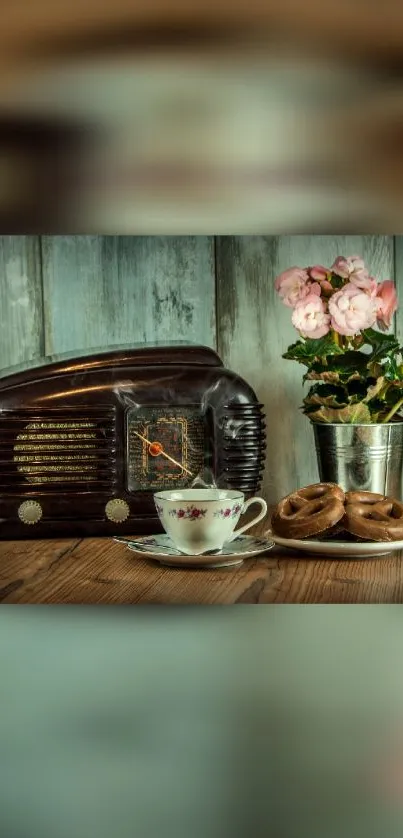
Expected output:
(166, 447)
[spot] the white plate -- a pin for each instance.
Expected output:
(161, 549)
(339, 549)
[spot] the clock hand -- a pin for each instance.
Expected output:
(162, 452)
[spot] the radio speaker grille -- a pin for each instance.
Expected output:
(57, 450)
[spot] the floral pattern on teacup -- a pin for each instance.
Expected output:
(159, 509)
(228, 512)
(193, 513)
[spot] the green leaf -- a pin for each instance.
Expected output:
(337, 281)
(358, 389)
(306, 351)
(322, 374)
(394, 393)
(377, 410)
(357, 414)
(374, 390)
(393, 369)
(326, 394)
(382, 345)
(348, 366)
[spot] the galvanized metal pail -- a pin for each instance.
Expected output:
(361, 457)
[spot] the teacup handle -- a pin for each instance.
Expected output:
(258, 518)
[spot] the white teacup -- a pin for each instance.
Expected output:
(198, 520)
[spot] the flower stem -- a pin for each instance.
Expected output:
(392, 412)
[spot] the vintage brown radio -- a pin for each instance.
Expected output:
(85, 442)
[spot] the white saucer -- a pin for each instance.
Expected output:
(339, 549)
(232, 554)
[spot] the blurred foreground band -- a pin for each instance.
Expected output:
(189, 118)
(282, 722)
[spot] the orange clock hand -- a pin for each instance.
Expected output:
(162, 452)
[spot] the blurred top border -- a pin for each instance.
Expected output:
(41, 30)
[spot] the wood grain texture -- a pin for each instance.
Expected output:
(108, 290)
(23, 561)
(254, 329)
(21, 335)
(101, 571)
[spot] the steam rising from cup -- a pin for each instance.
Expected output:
(204, 480)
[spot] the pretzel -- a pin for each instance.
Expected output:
(311, 511)
(373, 517)
(363, 497)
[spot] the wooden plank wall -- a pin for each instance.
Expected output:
(22, 323)
(107, 290)
(69, 293)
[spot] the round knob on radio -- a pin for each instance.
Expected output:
(30, 512)
(117, 510)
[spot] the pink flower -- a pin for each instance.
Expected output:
(372, 288)
(293, 285)
(321, 275)
(318, 272)
(353, 269)
(309, 317)
(227, 513)
(387, 303)
(352, 310)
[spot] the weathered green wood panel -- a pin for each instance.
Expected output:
(398, 277)
(21, 334)
(254, 329)
(108, 290)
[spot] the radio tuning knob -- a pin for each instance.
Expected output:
(30, 512)
(117, 510)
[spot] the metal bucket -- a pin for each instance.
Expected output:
(361, 457)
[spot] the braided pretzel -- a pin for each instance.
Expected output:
(373, 517)
(309, 512)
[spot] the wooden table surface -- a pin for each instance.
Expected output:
(97, 570)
